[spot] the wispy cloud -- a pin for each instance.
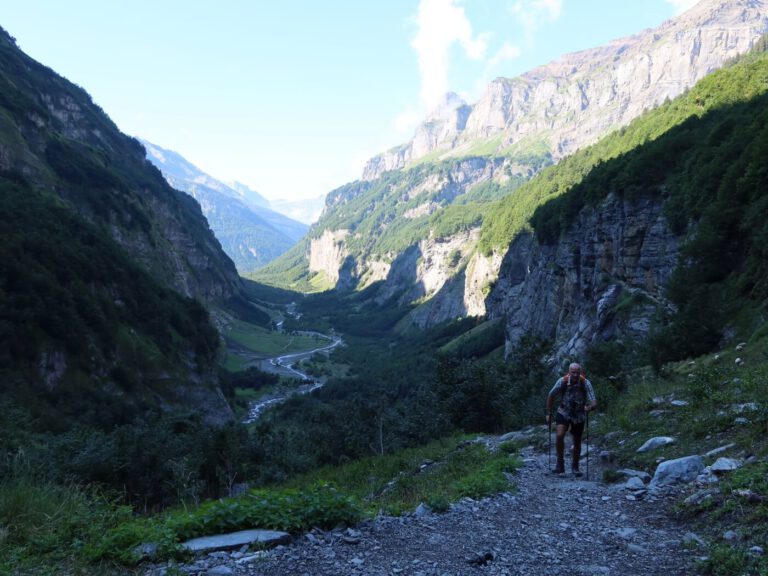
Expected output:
(533, 13)
(682, 5)
(440, 24)
(443, 24)
(506, 52)
(407, 120)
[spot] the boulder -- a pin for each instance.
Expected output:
(722, 465)
(634, 483)
(678, 470)
(629, 473)
(655, 443)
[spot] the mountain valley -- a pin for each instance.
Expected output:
(608, 208)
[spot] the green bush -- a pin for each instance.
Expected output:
(724, 560)
(123, 542)
(319, 506)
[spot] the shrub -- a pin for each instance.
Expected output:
(291, 510)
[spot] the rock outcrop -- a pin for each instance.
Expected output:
(422, 269)
(604, 279)
(328, 253)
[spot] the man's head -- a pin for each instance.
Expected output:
(574, 369)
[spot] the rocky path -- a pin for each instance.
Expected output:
(548, 525)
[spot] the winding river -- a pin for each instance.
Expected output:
(284, 365)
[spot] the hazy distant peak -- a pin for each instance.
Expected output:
(447, 106)
(155, 152)
(248, 194)
(176, 164)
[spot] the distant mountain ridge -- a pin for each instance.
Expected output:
(249, 231)
(572, 101)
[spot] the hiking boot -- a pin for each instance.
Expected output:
(575, 469)
(560, 468)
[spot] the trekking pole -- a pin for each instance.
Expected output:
(549, 435)
(589, 448)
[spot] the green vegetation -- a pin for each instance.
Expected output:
(288, 509)
(398, 389)
(652, 166)
(532, 152)
(476, 342)
(46, 525)
(288, 272)
(485, 147)
(59, 526)
(718, 392)
(260, 341)
(70, 293)
(445, 469)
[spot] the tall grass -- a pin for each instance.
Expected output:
(42, 523)
(435, 474)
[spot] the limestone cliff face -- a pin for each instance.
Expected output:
(573, 101)
(422, 271)
(604, 279)
(419, 272)
(328, 253)
(461, 294)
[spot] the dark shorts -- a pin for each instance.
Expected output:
(577, 428)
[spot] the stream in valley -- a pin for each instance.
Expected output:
(284, 366)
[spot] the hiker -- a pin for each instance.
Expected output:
(577, 398)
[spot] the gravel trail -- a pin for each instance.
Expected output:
(548, 525)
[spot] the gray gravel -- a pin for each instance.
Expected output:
(547, 525)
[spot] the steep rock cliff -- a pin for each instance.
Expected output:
(463, 293)
(520, 125)
(604, 279)
(328, 253)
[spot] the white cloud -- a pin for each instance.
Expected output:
(532, 13)
(442, 23)
(506, 52)
(682, 5)
(407, 120)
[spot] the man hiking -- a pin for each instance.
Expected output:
(577, 398)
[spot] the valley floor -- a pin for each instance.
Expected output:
(549, 525)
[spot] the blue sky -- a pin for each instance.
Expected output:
(292, 97)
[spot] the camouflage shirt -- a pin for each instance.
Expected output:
(574, 398)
